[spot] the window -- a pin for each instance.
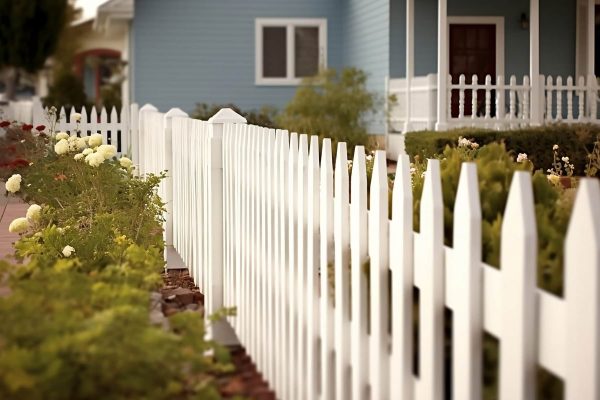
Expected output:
(288, 50)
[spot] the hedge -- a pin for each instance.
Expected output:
(574, 141)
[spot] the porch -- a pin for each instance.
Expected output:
(485, 83)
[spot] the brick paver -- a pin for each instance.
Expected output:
(16, 208)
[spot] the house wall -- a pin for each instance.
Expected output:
(366, 39)
(557, 33)
(188, 52)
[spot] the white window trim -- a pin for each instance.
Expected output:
(289, 23)
(485, 20)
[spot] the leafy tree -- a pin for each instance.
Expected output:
(29, 33)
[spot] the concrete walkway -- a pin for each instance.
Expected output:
(16, 208)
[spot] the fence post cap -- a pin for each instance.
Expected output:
(175, 112)
(227, 115)
(148, 107)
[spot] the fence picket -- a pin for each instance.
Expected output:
(293, 275)
(549, 95)
(461, 96)
(341, 213)
(488, 97)
(570, 98)
(518, 263)
(359, 256)
(500, 103)
(582, 294)
(474, 97)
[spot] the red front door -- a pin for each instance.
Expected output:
(472, 52)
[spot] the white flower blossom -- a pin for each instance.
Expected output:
(94, 159)
(68, 251)
(61, 147)
(474, 145)
(61, 135)
(125, 162)
(522, 157)
(81, 143)
(95, 140)
(76, 117)
(13, 184)
(78, 157)
(19, 225)
(555, 147)
(34, 213)
(565, 159)
(107, 150)
(87, 152)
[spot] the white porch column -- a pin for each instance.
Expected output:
(534, 63)
(591, 36)
(410, 58)
(442, 95)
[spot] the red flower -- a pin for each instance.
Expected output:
(40, 128)
(27, 127)
(4, 124)
(19, 162)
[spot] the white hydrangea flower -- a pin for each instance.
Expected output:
(13, 184)
(125, 162)
(61, 147)
(474, 145)
(68, 251)
(76, 117)
(107, 150)
(94, 159)
(555, 147)
(87, 152)
(81, 143)
(61, 135)
(565, 159)
(522, 157)
(34, 213)
(78, 157)
(95, 140)
(19, 225)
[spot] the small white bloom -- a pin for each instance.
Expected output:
(474, 145)
(522, 157)
(369, 157)
(67, 251)
(555, 147)
(87, 151)
(125, 162)
(78, 157)
(81, 143)
(413, 170)
(60, 230)
(23, 141)
(61, 135)
(13, 184)
(76, 117)
(107, 150)
(34, 212)
(95, 140)
(565, 159)
(19, 225)
(94, 159)
(61, 147)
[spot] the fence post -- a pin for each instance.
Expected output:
(141, 133)
(168, 166)
(219, 330)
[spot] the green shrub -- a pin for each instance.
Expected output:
(263, 117)
(332, 105)
(574, 140)
(67, 90)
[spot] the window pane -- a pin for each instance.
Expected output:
(274, 54)
(307, 51)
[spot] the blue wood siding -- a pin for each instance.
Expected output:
(557, 33)
(188, 52)
(366, 38)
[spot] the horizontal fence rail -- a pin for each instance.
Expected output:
(323, 278)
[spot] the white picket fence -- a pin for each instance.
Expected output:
(115, 127)
(260, 215)
(499, 105)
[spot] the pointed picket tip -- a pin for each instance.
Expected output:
(583, 233)
(227, 115)
(402, 190)
(379, 185)
(341, 159)
(303, 146)
(359, 168)
(467, 203)
(103, 114)
(293, 148)
(431, 198)
(146, 107)
(313, 154)
(175, 112)
(326, 158)
(519, 214)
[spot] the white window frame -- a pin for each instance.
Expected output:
(290, 24)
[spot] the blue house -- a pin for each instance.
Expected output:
(254, 53)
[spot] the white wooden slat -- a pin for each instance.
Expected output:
(474, 97)
(124, 127)
(312, 265)
(526, 98)
(83, 126)
(429, 260)
(582, 294)
(341, 213)
(488, 96)
(559, 94)
(581, 98)
(274, 262)
(293, 322)
(401, 264)
(512, 107)
(570, 98)
(518, 263)
(113, 126)
(549, 99)
(359, 256)
(466, 281)
(326, 262)
(270, 252)
(379, 277)
(500, 103)
(103, 125)
(593, 97)
(461, 96)
(302, 197)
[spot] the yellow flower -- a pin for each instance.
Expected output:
(95, 140)
(107, 150)
(94, 159)
(19, 225)
(33, 213)
(62, 135)
(125, 162)
(61, 147)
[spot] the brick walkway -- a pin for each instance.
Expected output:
(16, 208)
